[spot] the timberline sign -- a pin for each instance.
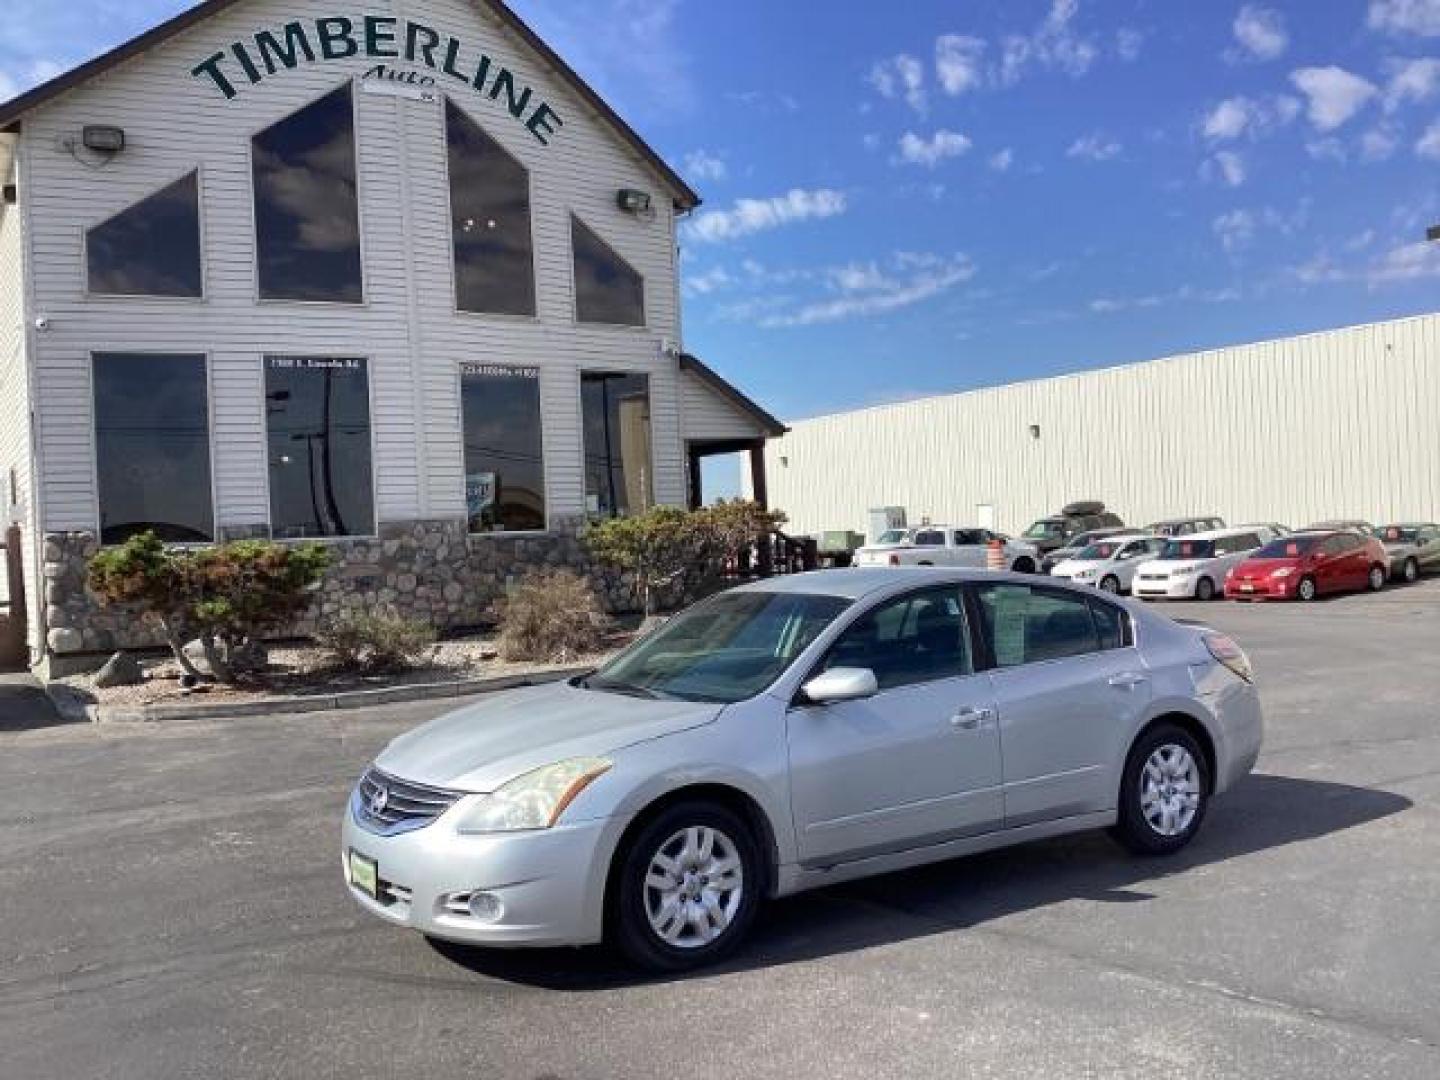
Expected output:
(381, 38)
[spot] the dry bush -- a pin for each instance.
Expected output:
(551, 617)
(376, 641)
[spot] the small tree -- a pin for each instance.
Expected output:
(227, 595)
(659, 547)
(733, 526)
(552, 616)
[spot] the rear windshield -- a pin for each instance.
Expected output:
(1104, 550)
(1289, 547)
(1044, 530)
(1401, 534)
(1189, 549)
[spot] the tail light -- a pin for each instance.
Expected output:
(1227, 651)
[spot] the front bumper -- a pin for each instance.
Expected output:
(550, 882)
(1173, 588)
(1262, 588)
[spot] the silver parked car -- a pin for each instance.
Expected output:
(791, 734)
(1414, 549)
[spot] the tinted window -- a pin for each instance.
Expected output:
(616, 413)
(1190, 549)
(317, 412)
(307, 218)
(151, 249)
(1289, 547)
(504, 463)
(928, 538)
(152, 447)
(918, 638)
(1110, 624)
(607, 288)
(490, 219)
(1026, 625)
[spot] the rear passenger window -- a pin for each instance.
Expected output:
(1025, 625)
(930, 538)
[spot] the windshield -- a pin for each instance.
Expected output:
(1045, 530)
(726, 649)
(1104, 550)
(893, 536)
(1401, 534)
(1289, 547)
(1189, 549)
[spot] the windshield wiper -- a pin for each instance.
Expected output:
(628, 689)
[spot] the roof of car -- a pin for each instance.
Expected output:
(1220, 534)
(854, 582)
(1183, 520)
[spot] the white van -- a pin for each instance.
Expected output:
(1194, 567)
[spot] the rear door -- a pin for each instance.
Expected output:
(1070, 686)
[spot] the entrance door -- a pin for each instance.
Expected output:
(13, 654)
(916, 764)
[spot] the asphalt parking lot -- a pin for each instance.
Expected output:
(172, 907)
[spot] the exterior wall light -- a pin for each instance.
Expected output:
(102, 139)
(633, 201)
(1034, 431)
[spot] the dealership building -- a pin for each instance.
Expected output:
(392, 277)
(1339, 424)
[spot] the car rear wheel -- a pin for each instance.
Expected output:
(1411, 572)
(1205, 589)
(1164, 791)
(1110, 584)
(1306, 590)
(688, 887)
(1377, 578)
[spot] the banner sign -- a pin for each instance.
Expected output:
(498, 371)
(415, 48)
(479, 492)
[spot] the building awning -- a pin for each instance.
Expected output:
(716, 411)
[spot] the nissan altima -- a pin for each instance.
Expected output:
(791, 734)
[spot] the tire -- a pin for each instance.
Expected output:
(1164, 791)
(1024, 565)
(1307, 589)
(677, 835)
(1111, 584)
(1378, 577)
(1204, 589)
(1411, 572)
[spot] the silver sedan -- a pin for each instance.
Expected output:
(792, 734)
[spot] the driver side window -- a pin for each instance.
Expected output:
(920, 637)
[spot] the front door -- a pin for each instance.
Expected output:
(1070, 686)
(918, 763)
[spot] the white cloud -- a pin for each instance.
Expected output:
(703, 165)
(917, 150)
(901, 76)
(1109, 305)
(1235, 229)
(1001, 160)
(1094, 147)
(1127, 43)
(1335, 95)
(958, 63)
(1411, 81)
(868, 289)
(1055, 45)
(1226, 166)
(16, 82)
(1429, 144)
(1241, 116)
(1406, 263)
(1378, 144)
(749, 216)
(1420, 17)
(1228, 120)
(1328, 149)
(1261, 32)
(710, 281)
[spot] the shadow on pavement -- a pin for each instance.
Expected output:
(1262, 813)
(24, 707)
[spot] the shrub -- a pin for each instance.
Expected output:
(228, 595)
(552, 616)
(376, 641)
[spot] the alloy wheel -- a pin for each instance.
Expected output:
(1307, 589)
(1170, 790)
(1412, 571)
(694, 887)
(1377, 578)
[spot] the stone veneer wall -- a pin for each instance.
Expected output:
(430, 570)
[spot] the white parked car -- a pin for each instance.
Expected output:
(1110, 564)
(949, 545)
(1195, 567)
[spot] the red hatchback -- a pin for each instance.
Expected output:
(1305, 565)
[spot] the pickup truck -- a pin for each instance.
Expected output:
(946, 545)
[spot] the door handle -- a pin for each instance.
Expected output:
(1128, 680)
(972, 719)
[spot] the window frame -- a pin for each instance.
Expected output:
(985, 652)
(374, 457)
(254, 234)
(93, 435)
(457, 310)
(128, 298)
(580, 374)
(549, 529)
(644, 323)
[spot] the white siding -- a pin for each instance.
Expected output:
(15, 390)
(709, 415)
(1332, 425)
(407, 327)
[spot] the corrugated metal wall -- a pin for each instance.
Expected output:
(1336, 424)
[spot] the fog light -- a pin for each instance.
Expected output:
(486, 907)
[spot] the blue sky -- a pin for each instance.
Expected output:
(911, 198)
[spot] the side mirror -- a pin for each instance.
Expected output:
(840, 684)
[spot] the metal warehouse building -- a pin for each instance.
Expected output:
(1339, 424)
(394, 278)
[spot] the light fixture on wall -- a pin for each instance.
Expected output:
(10, 194)
(102, 138)
(1034, 431)
(633, 201)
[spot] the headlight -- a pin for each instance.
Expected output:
(535, 800)
(1283, 572)
(1185, 571)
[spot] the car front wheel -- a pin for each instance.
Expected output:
(1205, 590)
(1163, 793)
(1307, 590)
(1411, 573)
(1377, 578)
(688, 888)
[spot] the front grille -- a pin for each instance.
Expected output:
(1154, 577)
(405, 806)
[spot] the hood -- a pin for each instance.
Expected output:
(484, 745)
(1074, 566)
(1254, 568)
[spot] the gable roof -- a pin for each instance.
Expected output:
(773, 428)
(13, 110)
